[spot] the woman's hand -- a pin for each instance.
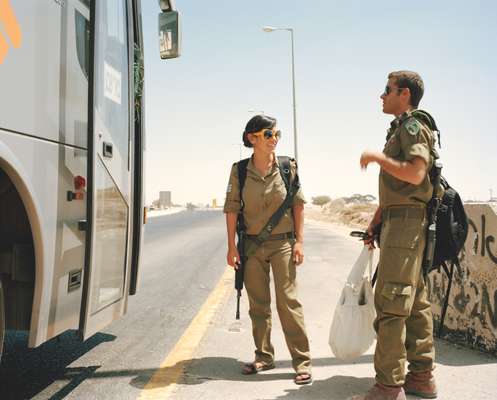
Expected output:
(233, 258)
(298, 253)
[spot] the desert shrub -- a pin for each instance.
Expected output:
(321, 200)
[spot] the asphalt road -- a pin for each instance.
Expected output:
(183, 259)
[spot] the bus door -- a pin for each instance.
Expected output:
(106, 272)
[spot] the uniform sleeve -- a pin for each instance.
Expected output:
(232, 201)
(299, 196)
(414, 142)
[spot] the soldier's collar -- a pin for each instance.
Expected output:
(251, 165)
(397, 122)
(404, 116)
(400, 119)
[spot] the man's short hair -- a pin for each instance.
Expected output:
(412, 81)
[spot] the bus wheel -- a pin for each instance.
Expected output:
(2, 319)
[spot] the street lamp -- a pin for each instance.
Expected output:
(271, 29)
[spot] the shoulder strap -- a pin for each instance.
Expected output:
(428, 120)
(284, 166)
(291, 191)
(242, 175)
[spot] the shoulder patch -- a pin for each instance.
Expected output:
(412, 126)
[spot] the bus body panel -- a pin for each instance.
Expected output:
(30, 74)
(46, 77)
(46, 97)
(58, 242)
(44, 146)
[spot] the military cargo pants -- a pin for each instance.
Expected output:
(404, 323)
(276, 255)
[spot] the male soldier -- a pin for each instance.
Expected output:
(403, 324)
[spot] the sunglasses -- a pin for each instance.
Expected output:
(389, 90)
(268, 134)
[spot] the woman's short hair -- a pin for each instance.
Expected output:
(255, 124)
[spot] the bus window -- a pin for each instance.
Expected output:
(110, 236)
(83, 42)
(112, 99)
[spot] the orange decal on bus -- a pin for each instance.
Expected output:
(10, 26)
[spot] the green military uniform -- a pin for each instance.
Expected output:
(262, 196)
(404, 320)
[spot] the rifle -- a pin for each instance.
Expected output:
(431, 235)
(240, 271)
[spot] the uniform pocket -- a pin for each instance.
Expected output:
(403, 233)
(396, 298)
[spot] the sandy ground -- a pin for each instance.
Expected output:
(213, 372)
(356, 216)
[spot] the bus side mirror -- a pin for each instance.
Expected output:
(169, 35)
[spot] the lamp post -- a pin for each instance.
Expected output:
(272, 29)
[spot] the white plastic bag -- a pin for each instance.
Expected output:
(352, 332)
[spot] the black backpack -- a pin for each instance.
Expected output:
(452, 223)
(452, 227)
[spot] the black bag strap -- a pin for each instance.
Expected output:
(291, 189)
(428, 120)
(242, 175)
(284, 166)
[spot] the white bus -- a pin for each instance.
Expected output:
(71, 161)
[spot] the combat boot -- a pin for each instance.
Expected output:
(382, 392)
(421, 384)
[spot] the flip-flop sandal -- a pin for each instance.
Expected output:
(302, 381)
(252, 368)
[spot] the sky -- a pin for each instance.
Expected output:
(229, 69)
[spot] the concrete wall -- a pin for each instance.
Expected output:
(471, 317)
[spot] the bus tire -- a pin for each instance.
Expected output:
(2, 319)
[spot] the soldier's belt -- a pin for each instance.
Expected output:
(404, 212)
(277, 236)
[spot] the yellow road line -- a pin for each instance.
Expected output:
(165, 379)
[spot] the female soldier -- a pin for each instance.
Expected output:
(263, 192)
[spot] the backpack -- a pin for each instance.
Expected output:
(452, 227)
(451, 222)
